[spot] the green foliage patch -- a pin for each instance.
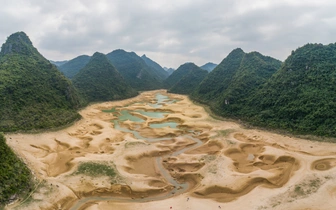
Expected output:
(15, 177)
(134, 70)
(96, 169)
(100, 81)
(33, 93)
(186, 78)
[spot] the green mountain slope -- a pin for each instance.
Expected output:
(100, 81)
(219, 79)
(15, 177)
(254, 70)
(159, 71)
(72, 67)
(33, 93)
(300, 97)
(134, 70)
(178, 74)
(228, 86)
(190, 81)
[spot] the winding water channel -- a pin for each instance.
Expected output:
(179, 188)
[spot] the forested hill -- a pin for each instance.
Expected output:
(15, 177)
(178, 74)
(134, 70)
(188, 82)
(33, 93)
(100, 81)
(219, 79)
(235, 79)
(159, 71)
(72, 67)
(254, 70)
(300, 97)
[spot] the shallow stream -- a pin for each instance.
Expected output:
(179, 188)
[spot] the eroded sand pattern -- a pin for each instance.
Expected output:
(167, 153)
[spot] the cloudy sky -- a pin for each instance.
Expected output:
(170, 32)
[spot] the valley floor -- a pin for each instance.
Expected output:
(168, 153)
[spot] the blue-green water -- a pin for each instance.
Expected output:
(162, 125)
(125, 115)
(152, 114)
(179, 188)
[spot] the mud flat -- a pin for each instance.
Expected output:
(161, 151)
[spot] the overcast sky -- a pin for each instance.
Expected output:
(171, 32)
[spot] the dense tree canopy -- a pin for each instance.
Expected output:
(300, 97)
(134, 70)
(33, 93)
(15, 177)
(188, 82)
(100, 81)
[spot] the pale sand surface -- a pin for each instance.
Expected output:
(225, 165)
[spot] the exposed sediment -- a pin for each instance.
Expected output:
(187, 157)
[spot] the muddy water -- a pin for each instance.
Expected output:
(179, 188)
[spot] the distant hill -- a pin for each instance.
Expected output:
(15, 177)
(33, 93)
(72, 67)
(100, 81)
(209, 66)
(58, 63)
(178, 74)
(160, 72)
(134, 70)
(227, 88)
(169, 70)
(300, 97)
(189, 81)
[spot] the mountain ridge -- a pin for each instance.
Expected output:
(100, 81)
(33, 93)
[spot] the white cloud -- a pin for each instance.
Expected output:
(171, 31)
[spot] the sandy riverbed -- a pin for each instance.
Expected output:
(229, 168)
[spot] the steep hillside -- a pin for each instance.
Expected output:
(33, 93)
(300, 97)
(178, 74)
(219, 79)
(15, 177)
(254, 70)
(72, 67)
(100, 81)
(190, 81)
(160, 72)
(209, 66)
(134, 70)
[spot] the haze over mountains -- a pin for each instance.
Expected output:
(296, 95)
(72, 67)
(208, 66)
